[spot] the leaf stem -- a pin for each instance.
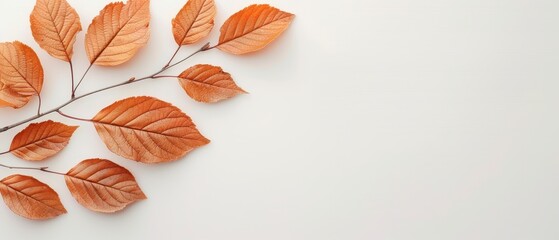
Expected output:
(42, 169)
(72, 75)
(72, 117)
(81, 80)
(127, 82)
(165, 76)
(173, 57)
(40, 104)
(204, 48)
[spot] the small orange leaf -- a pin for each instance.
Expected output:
(147, 130)
(253, 28)
(21, 73)
(118, 32)
(29, 198)
(194, 21)
(103, 186)
(55, 25)
(209, 84)
(40, 141)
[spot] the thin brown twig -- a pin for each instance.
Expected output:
(81, 80)
(42, 169)
(72, 75)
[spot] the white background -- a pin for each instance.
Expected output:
(367, 119)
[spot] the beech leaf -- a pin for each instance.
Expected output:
(40, 141)
(55, 25)
(209, 84)
(194, 21)
(118, 32)
(30, 198)
(147, 130)
(21, 74)
(253, 28)
(103, 186)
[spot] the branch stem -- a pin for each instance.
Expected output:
(127, 82)
(42, 169)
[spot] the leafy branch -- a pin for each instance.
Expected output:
(143, 129)
(127, 82)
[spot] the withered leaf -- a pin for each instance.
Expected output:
(209, 84)
(103, 186)
(30, 198)
(147, 130)
(118, 32)
(253, 28)
(21, 74)
(40, 141)
(194, 21)
(55, 25)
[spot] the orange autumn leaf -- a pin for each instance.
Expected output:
(55, 25)
(209, 84)
(147, 130)
(40, 141)
(10, 98)
(194, 21)
(118, 32)
(21, 74)
(252, 29)
(29, 198)
(103, 186)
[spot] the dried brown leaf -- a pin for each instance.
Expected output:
(103, 186)
(21, 74)
(29, 198)
(253, 28)
(55, 25)
(194, 21)
(209, 84)
(40, 141)
(118, 32)
(147, 130)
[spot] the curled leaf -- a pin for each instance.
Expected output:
(253, 28)
(30, 198)
(21, 73)
(194, 21)
(118, 32)
(55, 25)
(209, 84)
(147, 130)
(40, 141)
(103, 186)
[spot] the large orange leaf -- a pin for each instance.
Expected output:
(55, 25)
(253, 28)
(103, 186)
(209, 84)
(118, 32)
(21, 74)
(40, 141)
(147, 130)
(194, 21)
(29, 198)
